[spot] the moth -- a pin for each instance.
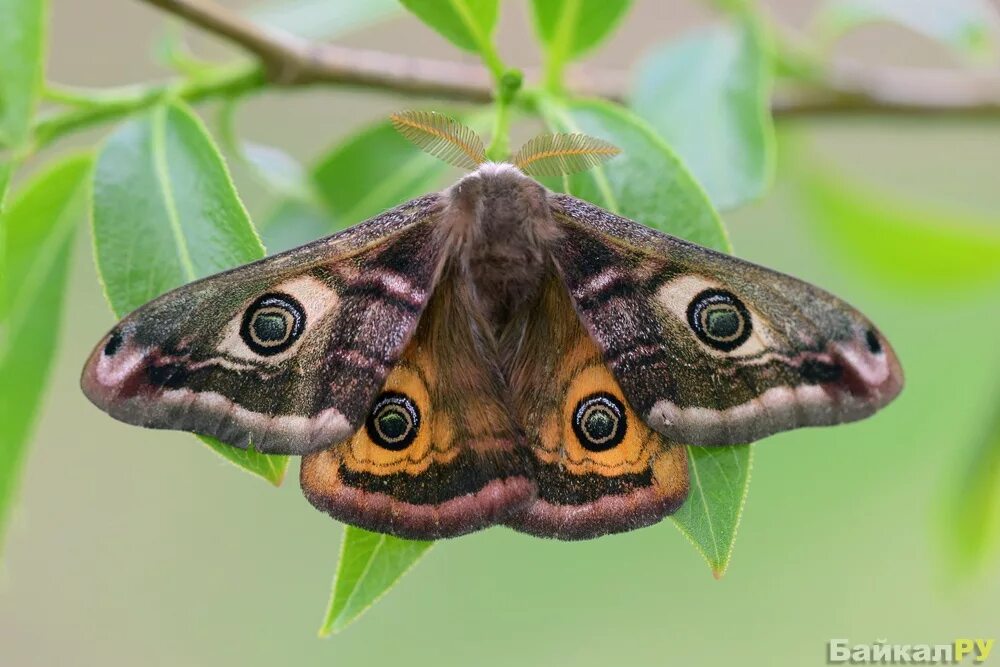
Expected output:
(495, 353)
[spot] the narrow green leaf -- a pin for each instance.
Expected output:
(972, 522)
(322, 19)
(165, 213)
(970, 27)
(273, 167)
(269, 466)
(294, 222)
(369, 172)
(570, 28)
(709, 95)
(468, 24)
(720, 479)
(372, 171)
(370, 564)
(647, 183)
(38, 230)
(6, 170)
(283, 172)
(902, 244)
(22, 52)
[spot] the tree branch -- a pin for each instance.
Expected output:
(288, 60)
(852, 88)
(847, 88)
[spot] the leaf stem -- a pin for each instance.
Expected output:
(499, 148)
(111, 104)
(507, 89)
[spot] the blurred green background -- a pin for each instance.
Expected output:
(140, 547)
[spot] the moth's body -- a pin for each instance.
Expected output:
(499, 223)
(494, 353)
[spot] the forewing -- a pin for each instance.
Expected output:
(285, 354)
(599, 468)
(440, 454)
(710, 349)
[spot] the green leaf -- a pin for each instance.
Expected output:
(22, 52)
(269, 466)
(370, 564)
(570, 28)
(362, 176)
(322, 19)
(647, 183)
(972, 520)
(970, 27)
(709, 95)
(372, 171)
(720, 479)
(366, 174)
(165, 213)
(280, 170)
(6, 170)
(902, 244)
(273, 167)
(294, 222)
(38, 230)
(468, 24)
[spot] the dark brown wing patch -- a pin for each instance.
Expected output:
(440, 454)
(599, 468)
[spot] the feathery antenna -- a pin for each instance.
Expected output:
(443, 137)
(557, 154)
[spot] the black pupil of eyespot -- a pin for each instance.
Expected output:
(270, 327)
(722, 322)
(393, 424)
(600, 424)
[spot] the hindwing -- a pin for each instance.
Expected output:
(440, 453)
(599, 468)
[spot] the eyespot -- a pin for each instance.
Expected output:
(599, 422)
(719, 319)
(272, 324)
(393, 421)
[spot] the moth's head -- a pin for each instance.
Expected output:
(458, 145)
